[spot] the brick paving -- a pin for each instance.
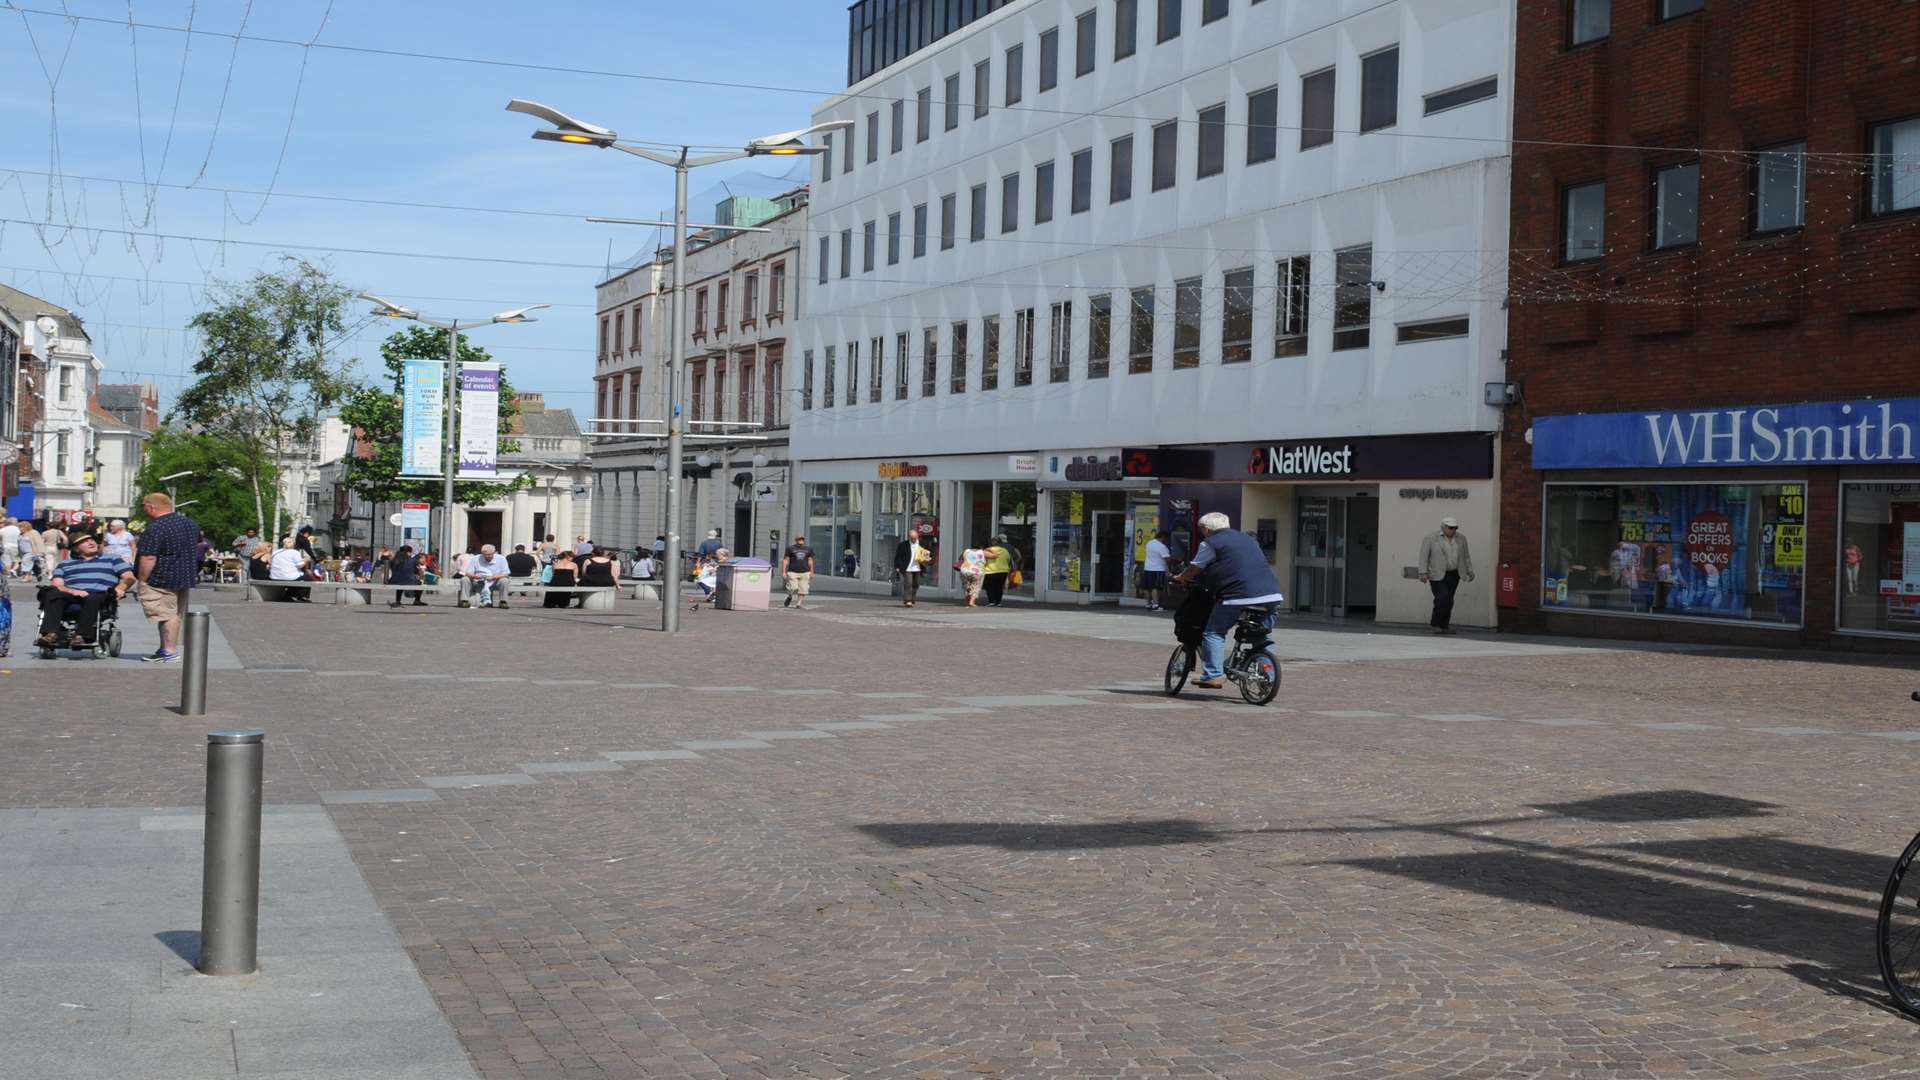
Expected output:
(742, 853)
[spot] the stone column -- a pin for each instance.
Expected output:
(520, 529)
(564, 530)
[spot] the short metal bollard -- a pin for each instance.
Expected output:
(230, 877)
(193, 673)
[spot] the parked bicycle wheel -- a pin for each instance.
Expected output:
(1262, 679)
(1898, 934)
(1179, 666)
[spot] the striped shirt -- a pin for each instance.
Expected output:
(98, 574)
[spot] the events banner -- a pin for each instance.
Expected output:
(415, 517)
(1812, 433)
(422, 416)
(479, 421)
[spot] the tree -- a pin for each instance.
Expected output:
(375, 414)
(267, 372)
(219, 502)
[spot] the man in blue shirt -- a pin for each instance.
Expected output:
(1232, 565)
(168, 564)
(92, 578)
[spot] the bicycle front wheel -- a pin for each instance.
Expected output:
(1262, 678)
(1898, 933)
(1179, 666)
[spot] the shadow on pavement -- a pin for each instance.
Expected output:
(1043, 836)
(184, 943)
(1670, 805)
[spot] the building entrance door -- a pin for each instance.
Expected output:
(1335, 555)
(1109, 552)
(483, 528)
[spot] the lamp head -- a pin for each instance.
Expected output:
(519, 315)
(388, 309)
(788, 143)
(565, 128)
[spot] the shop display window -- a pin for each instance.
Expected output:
(1879, 582)
(833, 528)
(1716, 551)
(1089, 549)
(898, 506)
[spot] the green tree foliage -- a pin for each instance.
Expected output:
(267, 371)
(222, 502)
(375, 412)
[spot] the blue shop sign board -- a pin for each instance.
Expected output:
(1869, 432)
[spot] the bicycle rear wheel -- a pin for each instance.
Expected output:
(1179, 666)
(1897, 936)
(1262, 679)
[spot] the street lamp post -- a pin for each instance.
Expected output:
(567, 129)
(389, 309)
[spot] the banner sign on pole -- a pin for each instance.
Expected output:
(479, 421)
(422, 416)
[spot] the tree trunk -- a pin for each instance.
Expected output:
(259, 509)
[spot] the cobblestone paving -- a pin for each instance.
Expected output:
(743, 852)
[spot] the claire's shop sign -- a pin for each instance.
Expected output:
(1814, 433)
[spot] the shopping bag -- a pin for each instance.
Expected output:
(1016, 579)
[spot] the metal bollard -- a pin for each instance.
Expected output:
(230, 876)
(193, 672)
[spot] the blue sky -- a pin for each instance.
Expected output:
(374, 127)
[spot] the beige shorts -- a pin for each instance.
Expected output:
(799, 584)
(162, 605)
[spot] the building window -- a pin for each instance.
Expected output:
(1186, 323)
(1085, 33)
(619, 337)
(601, 410)
(947, 225)
(1316, 109)
(853, 373)
(835, 514)
(977, 209)
(1676, 205)
(846, 252)
(1060, 342)
(1099, 335)
(1236, 317)
(1043, 193)
(893, 239)
(1584, 209)
(929, 361)
(1049, 60)
(1463, 95)
(700, 312)
(633, 398)
(699, 403)
(1779, 187)
(776, 388)
(990, 352)
(826, 381)
(1294, 278)
(867, 245)
(1023, 347)
(635, 324)
(1878, 590)
(1263, 119)
(899, 127)
(1709, 551)
(1213, 10)
(1432, 330)
(900, 367)
(1169, 24)
(1589, 20)
(723, 308)
(1081, 197)
(957, 371)
(1016, 73)
(923, 115)
(1380, 89)
(777, 292)
(876, 368)
(749, 303)
(605, 322)
(826, 159)
(1166, 154)
(1353, 297)
(982, 82)
(873, 137)
(1009, 203)
(846, 153)
(1140, 331)
(951, 117)
(745, 404)
(806, 380)
(919, 230)
(1126, 28)
(1896, 166)
(1120, 171)
(1673, 9)
(1213, 141)
(719, 389)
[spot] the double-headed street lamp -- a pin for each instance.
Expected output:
(390, 310)
(566, 129)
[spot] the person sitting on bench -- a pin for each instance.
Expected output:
(90, 581)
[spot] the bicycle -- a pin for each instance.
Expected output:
(1897, 931)
(1251, 665)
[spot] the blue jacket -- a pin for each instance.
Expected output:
(1239, 569)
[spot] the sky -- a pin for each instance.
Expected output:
(211, 117)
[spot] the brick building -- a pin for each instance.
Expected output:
(1714, 349)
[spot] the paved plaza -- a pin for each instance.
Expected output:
(863, 841)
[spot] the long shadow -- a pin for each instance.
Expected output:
(1666, 805)
(184, 943)
(1044, 836)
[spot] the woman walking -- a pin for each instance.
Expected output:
(972, 567)
(999, 563)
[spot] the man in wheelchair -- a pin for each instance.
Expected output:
(86, 584)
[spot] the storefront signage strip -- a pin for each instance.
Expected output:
(1816, 433)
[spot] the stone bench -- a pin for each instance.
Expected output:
(598, 597)
(352, 593)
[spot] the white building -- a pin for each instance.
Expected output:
(61, 372)
(1085, 268)
(742, 288)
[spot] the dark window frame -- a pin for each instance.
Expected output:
(1086, 42)
(1348, 292)
(1292, 305)
(1009, 203)
(1874, 165)
(1459, 97)
(1043, 194)
(1313, 137)
(893, 238)
(899, 137)
(1376, 121)
(976, 213)
(1141, 316)
(1189, 298)
(951, 119)
(1565, 246)
(1015, 76)
(1663, 10)
(1236, 306)
(1099, 335)
(1212, 132)
(1574, 41)
(1212, 11)
(1450, 328)
(869, 245)
(1080, 182)
(1126, 29)
(1655, 217)
(1263, 140)
(1119, 184)
(1049, 59)
(1756, 176)
(1159, 179)
(924, 107)
(1167, 19)
(982, 87)
(921, 219)
(949, 220)
(873, 136)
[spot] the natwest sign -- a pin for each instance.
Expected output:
(896, 470)
(1812, 433)
(1311, 459)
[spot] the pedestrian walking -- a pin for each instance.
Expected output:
(1444, 561)
(33, 551)
(660, 548)
(797, 573)
(563, 574)
(1153, 577)
(909, 561)
(710, 545)
(165, 571)
(244, 544)
(998, 566)
(118, 542)
(404, 569)
(53, 548)
(972, 568)
(9, 546)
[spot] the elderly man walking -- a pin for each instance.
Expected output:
(1444, 561)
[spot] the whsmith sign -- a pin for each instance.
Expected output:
(1817, 433)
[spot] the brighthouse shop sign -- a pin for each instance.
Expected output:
(1817, 433)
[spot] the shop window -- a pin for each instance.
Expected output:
(1353, 297)
(1896, 166)
(834, 528)
(1676, 205)
(1263, 119)
(1589, 20)
(1023, 347)
(1186, 323)
(1060, 342)
(1380, 89)
(1316, 109)
(929, 361)
(1714, 551)
(900, 367)
(1432, 330)
(1583, 209)
(1879, 584)
(1140, 331)
(957, 372)
(1088, 550)
(1236, 317)
(897, 507)
(1126, 28)
(1120, 170)
(1099, 335)
(1291, 307)
(1779, 187)
(990, 352)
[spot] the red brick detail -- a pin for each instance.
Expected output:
(1879, 270)
(1762, 283)
(1881, 38)
(1577, 112)
(1767, 60)
(1665, 61)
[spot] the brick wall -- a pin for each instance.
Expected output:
(1826, 312)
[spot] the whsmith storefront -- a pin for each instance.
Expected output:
(1758, 524)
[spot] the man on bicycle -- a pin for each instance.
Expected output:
(1231, 564)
